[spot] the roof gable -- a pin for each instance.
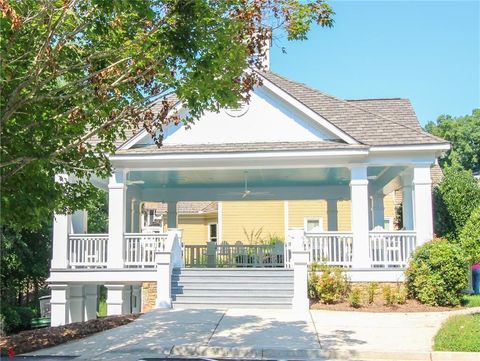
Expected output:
(266, 118)
(366, 121)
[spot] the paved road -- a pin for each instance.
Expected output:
(259, 333)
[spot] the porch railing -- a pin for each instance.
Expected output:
(236, 255)
(391, 249)
(140, 248)
(87, 250)
(332, 248)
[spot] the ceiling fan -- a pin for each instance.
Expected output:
(246, 191)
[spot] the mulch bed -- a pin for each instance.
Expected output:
(32, 340)
(379, 306)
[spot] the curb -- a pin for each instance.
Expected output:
(318, 354)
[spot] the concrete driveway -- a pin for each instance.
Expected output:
(279, 334)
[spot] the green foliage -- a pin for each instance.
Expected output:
(254, 236)
(401, 295)
(330, 286)
(98, 214)
(371, 290)
(77, 76)
(388, 295)
(464, 135)
(14, 319)
(455, 198)
(471, 301)
(354, 298)
(437, 273)
(470, 237)
(459, 334)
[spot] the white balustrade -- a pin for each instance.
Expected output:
(140, 248)
(391, 249)
(87, 250)
(332, 248)
(236, 255)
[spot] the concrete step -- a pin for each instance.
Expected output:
(231, 278)
(279, 272)
(234, 292)
(224, 305)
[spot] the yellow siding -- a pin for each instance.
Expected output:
(344, 216)
(252, 215)
(389, 205)
(195, 227)
(299, 210)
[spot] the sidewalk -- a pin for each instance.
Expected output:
(279, 334)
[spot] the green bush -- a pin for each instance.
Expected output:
(455, 199)
(437, 273)
(354, 298)
(14, 319)
(470, 237)
(388, 295)
(371, 290)
(331, 286)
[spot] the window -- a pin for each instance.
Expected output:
(388, 224)
(152, 220)
(313, 224)
(212, 232)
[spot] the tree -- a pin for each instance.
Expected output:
(76, 74)
(470, 237)
(455, 198)
(464, 135)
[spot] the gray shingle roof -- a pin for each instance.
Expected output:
(239, 147)
(186, 207)
(369, 122)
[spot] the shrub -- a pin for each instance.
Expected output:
(470, 237)
(371, 290)
(15, 319)
(312, 286)
(388, 296)
(331, 286)
(437, 273)
(354, 298)
(455, 199)
(400, 296)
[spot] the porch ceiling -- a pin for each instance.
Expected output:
(378, 177)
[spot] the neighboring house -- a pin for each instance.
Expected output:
(316, 171)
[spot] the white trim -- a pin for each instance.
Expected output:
(139, 136)
(209, 233)
(219, 222)
(390, 223)
(415, 147)
(313, 218)
(306, 110)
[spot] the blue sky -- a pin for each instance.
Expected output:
(427, 51)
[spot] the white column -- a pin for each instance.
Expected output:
(77, 304)
(115, 298)
(360, 216)
(62, 227)
(299, 262)
(407, 203)
(116, 220)
(378, 210)
(59, 304)
(127, 300)
(90, 302)
(332, 215)
(136, 299)
(220, 222)
(172, 214)
(164, 287)
(422, 204)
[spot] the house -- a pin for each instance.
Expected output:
(317, 172)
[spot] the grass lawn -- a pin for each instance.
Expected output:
(459, 333)
(471, 301)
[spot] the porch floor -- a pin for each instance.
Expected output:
(262, 334)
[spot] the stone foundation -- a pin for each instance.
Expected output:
(149, 295)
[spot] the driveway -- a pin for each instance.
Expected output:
(260, 334)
